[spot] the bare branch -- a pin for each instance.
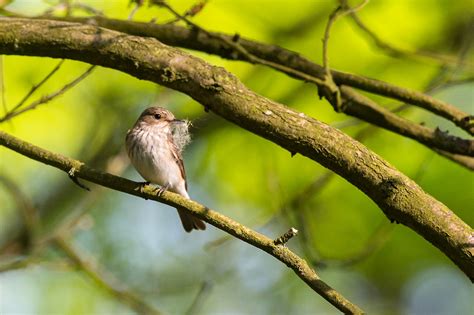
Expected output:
(282, 253)
(287, 62)
(340, 11)
(332, 88)
(364, 108)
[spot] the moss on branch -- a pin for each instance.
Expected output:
(211, 42)
(400, 198)
(280, 252)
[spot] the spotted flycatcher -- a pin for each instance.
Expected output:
(156, 155)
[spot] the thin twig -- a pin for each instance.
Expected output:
(376, 241)
(203, 292)
(86, 8)
(299, 200)
(333, 88)
(379, 237)
(191, 12)
(37, 86)
(240, 49)
(2, 77)
(138, 5)
(313, 188)
(18, 262)
(463, 160)
(395, 51)
(340, 11)
(47, 98)
(75, 180)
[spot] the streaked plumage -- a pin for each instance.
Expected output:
(155, 156)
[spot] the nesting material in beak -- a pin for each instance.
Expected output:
(180, 132)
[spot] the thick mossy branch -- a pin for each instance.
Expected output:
(212, 43)
(280, 252)
(400, 198)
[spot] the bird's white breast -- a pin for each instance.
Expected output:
(153, 159)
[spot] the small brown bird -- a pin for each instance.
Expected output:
(156, 156)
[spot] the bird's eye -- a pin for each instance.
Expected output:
(157, 116)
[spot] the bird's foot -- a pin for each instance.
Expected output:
(143, 186)
(162, 189)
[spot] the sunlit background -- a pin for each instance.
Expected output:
(384, 268)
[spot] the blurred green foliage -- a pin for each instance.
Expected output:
(238, 173)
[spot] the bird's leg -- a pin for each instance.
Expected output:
(162, 189)
(142, 187)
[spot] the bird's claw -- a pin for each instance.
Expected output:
(162, 189)
(159, 191)
(143, 186)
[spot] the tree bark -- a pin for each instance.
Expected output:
(401, 199)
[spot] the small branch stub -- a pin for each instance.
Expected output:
(282, 240)
(72, 176)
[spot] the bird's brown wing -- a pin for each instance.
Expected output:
(189, 221)
(179, 160)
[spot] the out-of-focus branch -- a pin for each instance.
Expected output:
(395, 51)
(109, 285)
(297, 200)
(17, 262)
(378, 238)
(203, 292)
(53, 207)
(35, 87)
(47, 98)
(295, 208)
(27, 210)
(466, 161)
(2, 86)
(280, 252)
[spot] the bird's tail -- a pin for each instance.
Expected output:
(189, 221)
